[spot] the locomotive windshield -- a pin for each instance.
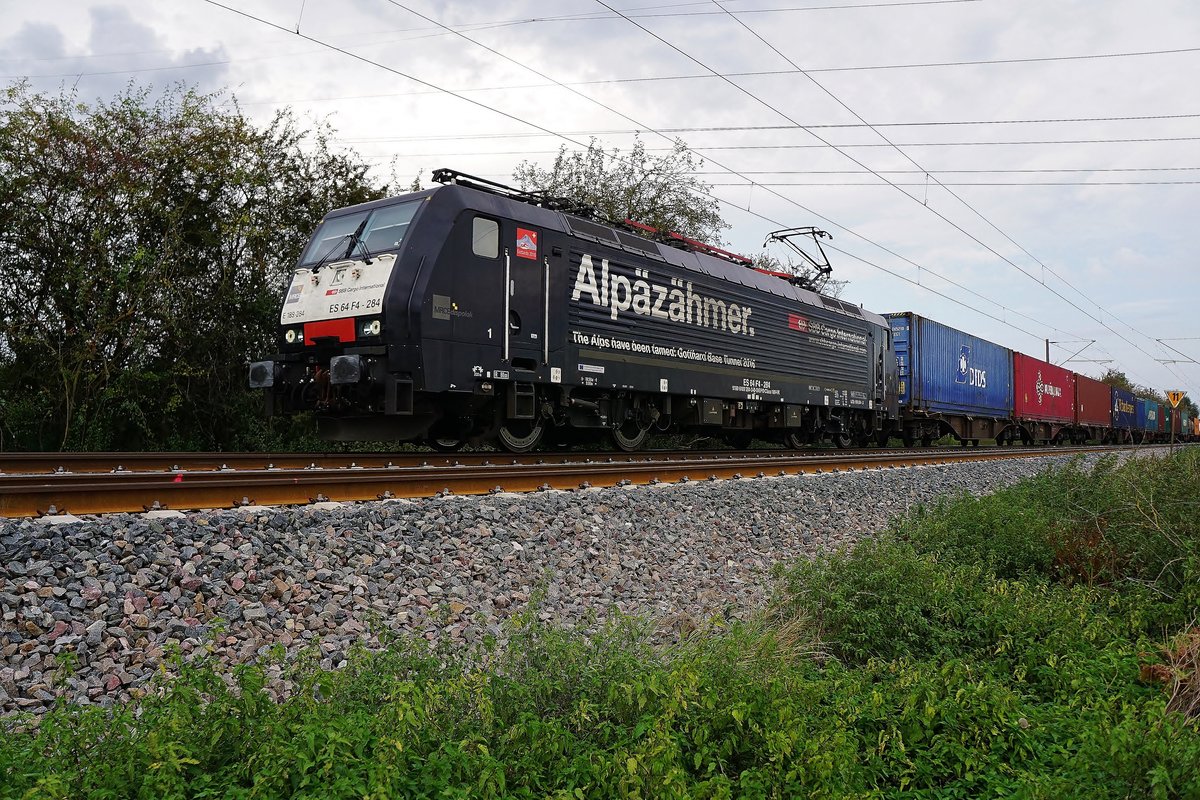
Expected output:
(378, 230)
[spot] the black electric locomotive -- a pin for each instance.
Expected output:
(473, 312)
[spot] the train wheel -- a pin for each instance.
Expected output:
(882, 438)
(907, 437)
(794, 440)
(629, 437)
(520, 436)
(842, 439)
(446, 444)
(926, 441)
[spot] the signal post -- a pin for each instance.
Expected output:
(1175, 396)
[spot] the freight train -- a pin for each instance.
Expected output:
(473, 312)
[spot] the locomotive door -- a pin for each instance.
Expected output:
(527, 275)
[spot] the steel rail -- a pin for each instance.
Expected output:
(97, 493)
(49, 463)
(42, 463)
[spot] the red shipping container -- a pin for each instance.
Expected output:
(1042, 391)
(1093, 402)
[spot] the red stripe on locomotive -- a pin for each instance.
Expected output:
(342, 329)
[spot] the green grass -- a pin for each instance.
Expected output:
(1026, 644)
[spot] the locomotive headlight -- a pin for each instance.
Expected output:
(372, 328)
(290, 336)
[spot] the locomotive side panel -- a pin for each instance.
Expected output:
(465, 332)
(653, 326)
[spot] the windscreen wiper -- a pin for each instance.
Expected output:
(330, 252)
(358, 243)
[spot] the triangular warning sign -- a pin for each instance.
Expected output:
(1175, 397)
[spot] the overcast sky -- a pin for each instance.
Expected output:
(1046, 152)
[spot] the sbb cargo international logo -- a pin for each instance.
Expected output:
(966, 374)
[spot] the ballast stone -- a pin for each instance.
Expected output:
(233, 583)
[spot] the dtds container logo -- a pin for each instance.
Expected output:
(968, 374)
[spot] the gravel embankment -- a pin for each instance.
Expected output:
(117, 590)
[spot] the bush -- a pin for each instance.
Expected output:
(1137, 521)
(942, 661)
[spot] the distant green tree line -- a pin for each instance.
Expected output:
(144, 242)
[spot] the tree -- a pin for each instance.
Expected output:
(805, 273)
(144, 247)
(660, 191)
(1115, 377)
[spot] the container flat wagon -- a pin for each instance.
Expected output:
(1125, 426)
(1145, 420)
(951, 382)
(1093, 410)
(1043, 400)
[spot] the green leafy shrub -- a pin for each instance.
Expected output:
(941, 661)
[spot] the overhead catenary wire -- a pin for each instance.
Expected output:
(789, 200)
(774, 73)
(732, 15)
(802, 128)
(965, 183)
(728, 169)
(779, 112)
(819, 138)
(785, 116)
(584, 17)
(734, 205)
(707, 148)
(568, 138)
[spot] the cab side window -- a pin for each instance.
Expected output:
(485, 237)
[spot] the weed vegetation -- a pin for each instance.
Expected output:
(1037, 643)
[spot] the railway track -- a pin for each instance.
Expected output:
(41, 484)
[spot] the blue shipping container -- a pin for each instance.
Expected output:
(1125, 409)
(943, 370)
(1147, 415)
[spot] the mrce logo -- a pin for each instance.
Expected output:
(967, 374)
